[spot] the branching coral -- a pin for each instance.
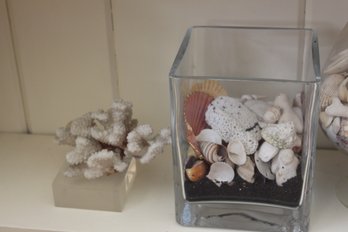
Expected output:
(106, 141)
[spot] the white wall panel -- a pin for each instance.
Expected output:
(11, 107)
(327, 18)
(148, 35)
(64, 59)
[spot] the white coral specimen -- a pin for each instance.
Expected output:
(142, 145)
(106, 141)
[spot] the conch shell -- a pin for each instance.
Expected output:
(211, 152)
(197, 171)
(338, 64)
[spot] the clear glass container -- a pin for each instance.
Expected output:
(334, 100)
(213, 188)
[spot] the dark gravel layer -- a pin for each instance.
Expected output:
(261, 191)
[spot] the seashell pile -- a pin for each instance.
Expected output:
(231, 136)
(333, 115)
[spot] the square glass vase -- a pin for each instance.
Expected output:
(106, 193)
(244, 117)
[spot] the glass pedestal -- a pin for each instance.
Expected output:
(105, 193)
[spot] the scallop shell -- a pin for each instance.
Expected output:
(211, 152)
(329, 89)
(211, 87)
(220, 173)
(209, 135)
(338, 64)
(197, 171)
(195, 107)
(247, 171)
(343, 91)
(267, 151)
(263, 167)
(272, 114)
(280, 135)
(236, 152)
(344, 128)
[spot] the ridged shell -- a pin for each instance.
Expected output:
(263, 167)
(338, 63)
(209, 135)
(210, 152)
(343, 91)
(344, 128)
(220, 173)
(272, 114)
(236, 152)
(329, 89)
(247, 171)
(280, 135)
(197, 171)
(211, 87)
(195, 107)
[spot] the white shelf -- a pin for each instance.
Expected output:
(29, 163)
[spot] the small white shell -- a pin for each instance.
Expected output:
(247, 171)
(297, 147)
(284, 166)
(263, 167)
(336, 125)
(343, 91)
(288, 115)
(332, 130)
(329, 89)
(344, 128)
(297, 102)
(267, 151)
(209, 135)
(236, 152)
(338, 64)
(220, 173)
(210, 152)
(337, 108)
(272, 114)
(259, 107)
(325, 119)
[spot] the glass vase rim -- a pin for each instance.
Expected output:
(184, 45)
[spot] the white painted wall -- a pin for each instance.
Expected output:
(11, 108)
(64, 51)
(63, 55)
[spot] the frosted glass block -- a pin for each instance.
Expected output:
(105, 193)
